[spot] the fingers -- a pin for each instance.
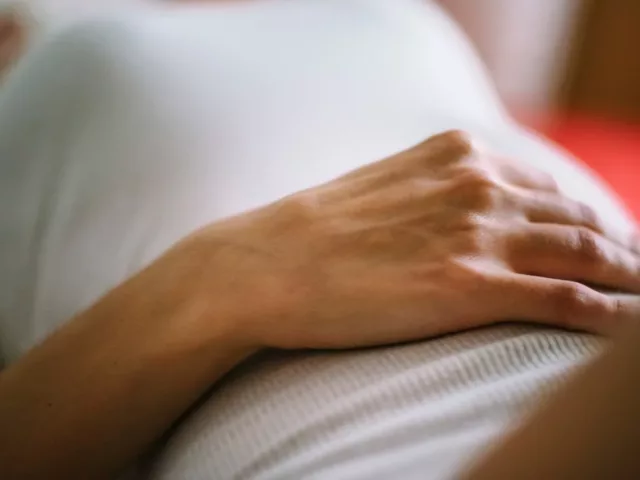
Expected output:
(565, 304)
(526, 176)
(547, 207)
(546, 204)
(571, 253)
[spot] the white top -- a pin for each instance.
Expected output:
(118, 138)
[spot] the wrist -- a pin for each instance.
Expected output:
(251, 289)
(122, 371)
(189, 311)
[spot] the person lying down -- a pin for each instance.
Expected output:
(281, 240)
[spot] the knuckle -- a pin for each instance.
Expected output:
(588, 245)
(469, 223)
(474, 234)
(550, 181)
(587, 214)
(450, 147)
(459, 141)
(298, 210)
(570, 300)
(479, 188)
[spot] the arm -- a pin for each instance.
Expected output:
(590, 430)
(98, 391)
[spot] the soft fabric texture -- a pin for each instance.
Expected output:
(118, 137)
(420, 411)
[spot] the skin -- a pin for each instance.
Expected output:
(435, 239)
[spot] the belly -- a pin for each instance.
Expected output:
(422, 410)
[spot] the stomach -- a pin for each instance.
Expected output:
(420, 410)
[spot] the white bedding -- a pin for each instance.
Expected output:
(119, 137)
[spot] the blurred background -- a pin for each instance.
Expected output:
(570, 69)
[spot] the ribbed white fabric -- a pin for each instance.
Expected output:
(419, 411)
(119, 137)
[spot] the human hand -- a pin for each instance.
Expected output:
(439, 238)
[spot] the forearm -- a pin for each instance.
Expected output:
(590, 430)
(121, 372)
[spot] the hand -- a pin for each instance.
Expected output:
(436, 239)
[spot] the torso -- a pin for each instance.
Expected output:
(236, 106)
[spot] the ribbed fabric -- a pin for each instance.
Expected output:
(420, 410)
